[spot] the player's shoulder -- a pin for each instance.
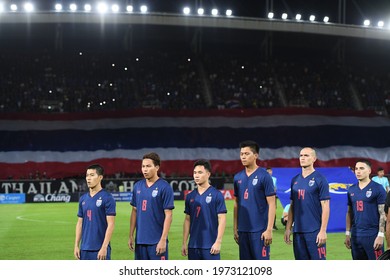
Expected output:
(318, 174)
(84, 196)
(163, 183)
(239, 174)
(105, 193)
(139, 183)
(376, 185)
(295, 177)
(352, 187)
(214, 190)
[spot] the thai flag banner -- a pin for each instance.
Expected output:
(63, 145)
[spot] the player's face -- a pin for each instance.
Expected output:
(248, 157)
(149, 170)
(362, 171)
(93, 179)
(201, 175)
(381, 173)
(306, 157)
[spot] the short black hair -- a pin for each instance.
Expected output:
(366, 161)
(99, 169)
(154, 157)
(203, 162)
(251, 144)
(380, 169)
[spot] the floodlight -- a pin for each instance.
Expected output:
(102, 8)
(366, 22)
(58, 7)
(312, 18)
(186, 10)
(28, 7)
(381, 23)
(270, 15)
(284, 16)
(326, 19)
(73, 7)
(200, 11)
(115, 8)
(129, 8)
(229, 12)
(214, 12)
(87, 7)
(144, 9)
(298, 17)
(14, 7)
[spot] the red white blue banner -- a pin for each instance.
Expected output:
(64, 145)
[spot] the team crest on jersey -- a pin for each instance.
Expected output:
(99, 202)
(208, 199)
(311, 182)
(155, 192)
(368, 193)
(254, 182)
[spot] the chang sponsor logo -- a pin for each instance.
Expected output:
(52, 198)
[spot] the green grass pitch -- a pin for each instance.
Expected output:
(46, 232)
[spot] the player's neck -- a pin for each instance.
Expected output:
(95, 190)
(152, 180)
(202, 188)
(306, 171)
(364, 182)
(250, 169)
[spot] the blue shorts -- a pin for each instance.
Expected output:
(202, 254)
(305, 246)
(93, 255)
(148, 252)
(362, 248)
(251, 247)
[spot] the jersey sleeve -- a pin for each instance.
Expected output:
(110, 205)
(80, 211)
(235, 185)
(187, 205)
(268, 183)
(133, 201)
(382, 195)
(221, 206)
(168, 197)
(324, 189)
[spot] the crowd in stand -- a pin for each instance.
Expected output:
(78, 82)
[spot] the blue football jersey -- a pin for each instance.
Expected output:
(307, 194)
(94, 211)
(251, 193)
(364, 203)
(151, 203)
(203, 210)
